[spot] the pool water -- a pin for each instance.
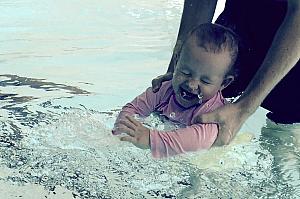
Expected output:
(67, 67)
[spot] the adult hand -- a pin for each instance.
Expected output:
(156, 82)
(137, 133)
(229, 118)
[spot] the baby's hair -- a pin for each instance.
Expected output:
(217, 38)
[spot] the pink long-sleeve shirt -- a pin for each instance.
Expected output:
(169, 143)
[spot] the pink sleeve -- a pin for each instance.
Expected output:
(191, 138)
(143, 105)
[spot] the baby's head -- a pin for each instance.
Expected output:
(205, 65)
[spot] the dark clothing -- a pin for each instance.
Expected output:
(256, 23)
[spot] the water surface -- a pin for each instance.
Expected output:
(67, 67)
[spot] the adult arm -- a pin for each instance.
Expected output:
(191, 138)
(282, 56)
(195, 12)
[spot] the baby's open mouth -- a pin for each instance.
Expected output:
(188, 95)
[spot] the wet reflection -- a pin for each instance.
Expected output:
(10, 135)
(49, 138)
(14, 80)
(76, 150)
(283, 142)
(19, 108)
(52, 145)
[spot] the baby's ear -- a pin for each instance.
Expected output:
(227, 81)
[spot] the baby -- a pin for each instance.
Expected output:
(203, 70)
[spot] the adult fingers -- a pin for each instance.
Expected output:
(206, 118)
(225, 134)
(168, 76)
(156, 84)
(224, 137)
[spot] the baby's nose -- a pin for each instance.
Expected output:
(193, 85)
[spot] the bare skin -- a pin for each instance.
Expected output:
(137, 133)
(280, 59)
(198, 72)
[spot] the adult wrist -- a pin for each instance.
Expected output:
(246, 106)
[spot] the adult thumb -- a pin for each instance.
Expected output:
(205, 118)
(156, 84)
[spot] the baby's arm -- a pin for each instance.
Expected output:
(170, 143)
(142, 105)
(191, 138)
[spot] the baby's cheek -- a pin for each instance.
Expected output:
(175, 80)
(209, 93)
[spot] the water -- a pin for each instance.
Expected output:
(67, 67)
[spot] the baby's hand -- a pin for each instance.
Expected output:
(137, 133)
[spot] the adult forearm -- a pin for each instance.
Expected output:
(282, 56)
(195, 12)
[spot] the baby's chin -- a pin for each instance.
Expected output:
(185, 103)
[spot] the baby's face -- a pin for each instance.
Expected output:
(199, 74)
